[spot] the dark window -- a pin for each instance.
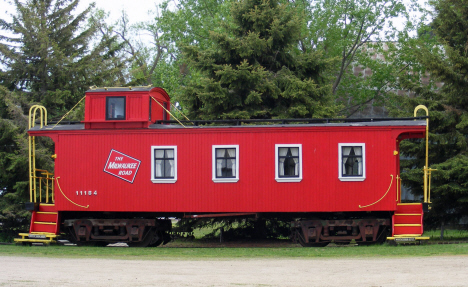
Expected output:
(164, 163)
(288, 162)
(225, 162)
(115, 108)
(352, 164)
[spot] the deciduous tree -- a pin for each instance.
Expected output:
(448, 63)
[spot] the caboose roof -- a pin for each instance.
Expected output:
(119, 89)
(354, 123)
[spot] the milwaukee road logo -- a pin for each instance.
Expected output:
(122, 166)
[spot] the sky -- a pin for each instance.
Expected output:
(137, 10)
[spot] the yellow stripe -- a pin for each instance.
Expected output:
(408, 214)
(45, 212)
(415, 237)
(47, 223)
(35, 240)
(408, 203)
(47, 204)
(408, 225)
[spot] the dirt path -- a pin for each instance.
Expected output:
(414, 271)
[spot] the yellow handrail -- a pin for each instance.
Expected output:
(66, 114)
(398, 188)
(381, 197)
(57, 178)
(180, 112)
(168, 112)
(427, 170)
(32, 148)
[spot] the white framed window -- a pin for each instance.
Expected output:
(352, 161)
(225, 163)
(288, 162)
(163, 164)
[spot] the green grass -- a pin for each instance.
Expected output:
(449, 235)
(216, 253)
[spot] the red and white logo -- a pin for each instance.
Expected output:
(122, 166)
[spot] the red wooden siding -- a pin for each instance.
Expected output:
(82, 155)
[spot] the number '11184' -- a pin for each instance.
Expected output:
(89, 192)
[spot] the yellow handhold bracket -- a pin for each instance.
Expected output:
(427, 170)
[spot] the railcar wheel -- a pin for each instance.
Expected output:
(381, 237)
(145, 242)
(156, 240)
(302, 242)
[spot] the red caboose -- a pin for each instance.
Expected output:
(124, 169)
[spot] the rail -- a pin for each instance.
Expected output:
(44, 191)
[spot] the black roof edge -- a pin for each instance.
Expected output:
(290, 121)
(276, 121)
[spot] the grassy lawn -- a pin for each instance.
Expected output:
(201, 249)
(449, 235)
(218, 253)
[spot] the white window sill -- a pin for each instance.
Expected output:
(352, 178)
(163, 180)
(290, 179)
(225, 179)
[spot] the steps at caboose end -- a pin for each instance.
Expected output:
(408, 219)
(44, 220)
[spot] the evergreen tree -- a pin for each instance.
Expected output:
(50, 55)
(448, 107)
(255, 70)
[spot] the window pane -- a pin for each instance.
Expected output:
(169, 153)
(294, 151)
(220, 152)
(352, 161)
(159, 168)
(115, 108)
(283, 151)
(357, 150)
(164, 163)
(288, 162)
(231, 152)
(225, 162)
(219, 168)
(169, 168)
(159, 153)
(232, 166)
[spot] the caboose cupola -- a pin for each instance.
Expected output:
(125, 107)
